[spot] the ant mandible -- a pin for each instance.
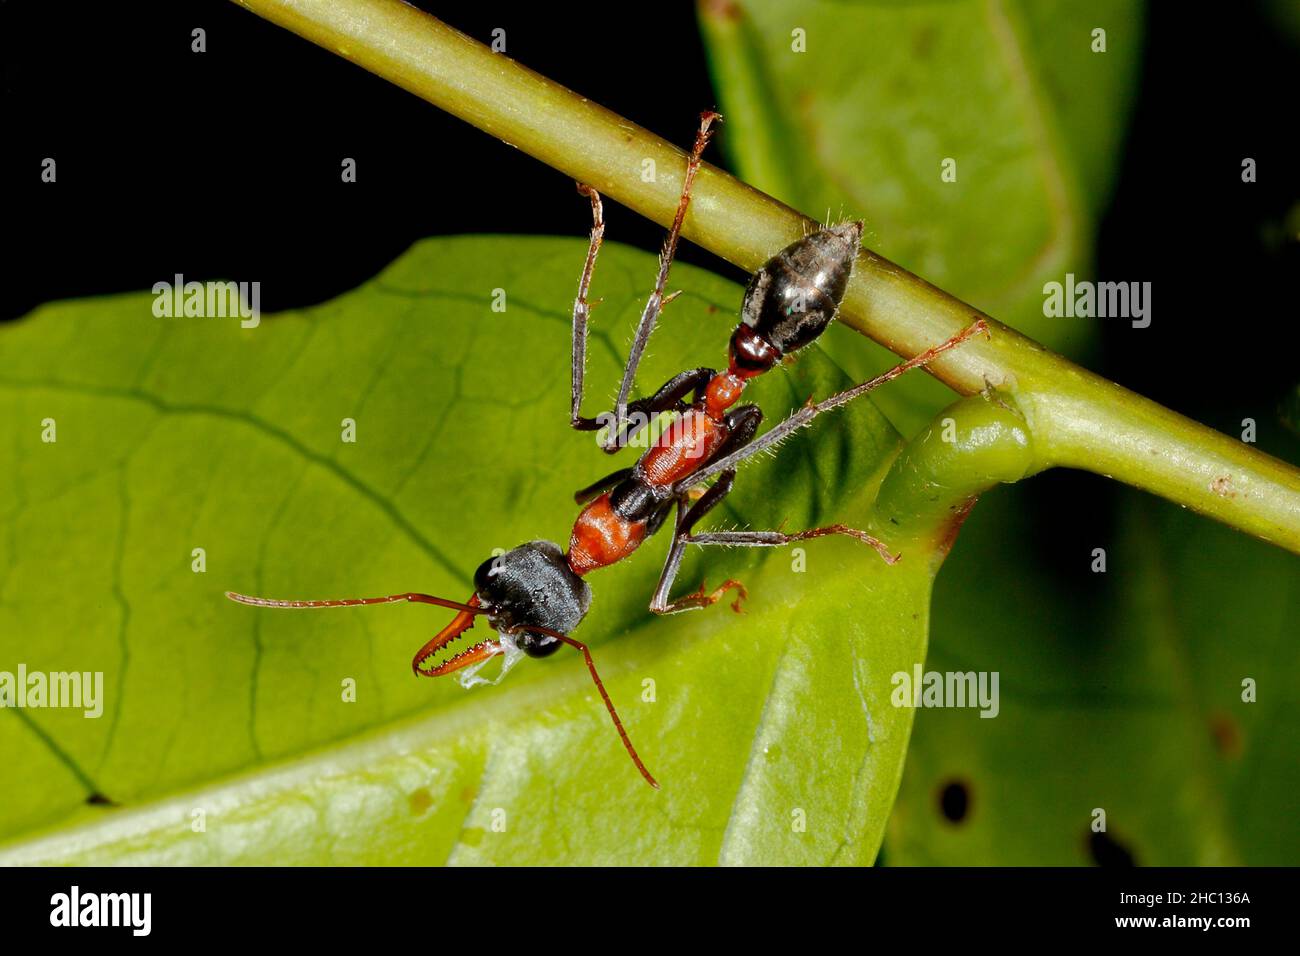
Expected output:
(537, 594)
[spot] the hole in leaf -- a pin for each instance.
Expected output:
(1107, 851)
(954, 801)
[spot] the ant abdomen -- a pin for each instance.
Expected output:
(792, 299)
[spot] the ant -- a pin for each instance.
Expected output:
(536, 594)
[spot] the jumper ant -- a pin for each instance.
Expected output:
(536, 594)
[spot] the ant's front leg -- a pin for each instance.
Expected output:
(637, 414)
(640, 413)
(643, 410)
(658, 299)
(597, 488)
(582, 313)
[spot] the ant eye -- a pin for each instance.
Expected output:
(488, 569)
(537, 645)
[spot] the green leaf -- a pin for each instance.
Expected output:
(859, 125)
(182, 433)
(1120, 691)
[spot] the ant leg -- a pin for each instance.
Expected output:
(741, 424)
(686, 519)
(582, 312)
(812, 409)
(669, 397)
(656, 300)
(470, 606)
(657, 519)
(597, 488)
(775, 539)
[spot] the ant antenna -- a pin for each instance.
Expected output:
(609, 704)
(355, 602)
(461, 623)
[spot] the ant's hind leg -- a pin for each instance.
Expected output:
(640, 413)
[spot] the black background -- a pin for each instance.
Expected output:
(598, 910)
(227, 164)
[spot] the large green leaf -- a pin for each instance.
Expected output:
(858, 124)
(184, 433)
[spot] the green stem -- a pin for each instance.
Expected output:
(1077, 419)
(970, 446)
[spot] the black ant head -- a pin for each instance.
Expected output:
(532, 585)
(792, 299)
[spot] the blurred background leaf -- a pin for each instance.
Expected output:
(859, 125)
(1121, 691)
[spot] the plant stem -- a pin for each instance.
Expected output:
(1077, 419)
(970, 446)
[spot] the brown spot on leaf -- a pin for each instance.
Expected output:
(1226, 734)
(923, 42)
(960, 513)
(421, 801)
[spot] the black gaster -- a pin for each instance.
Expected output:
(792, 299)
